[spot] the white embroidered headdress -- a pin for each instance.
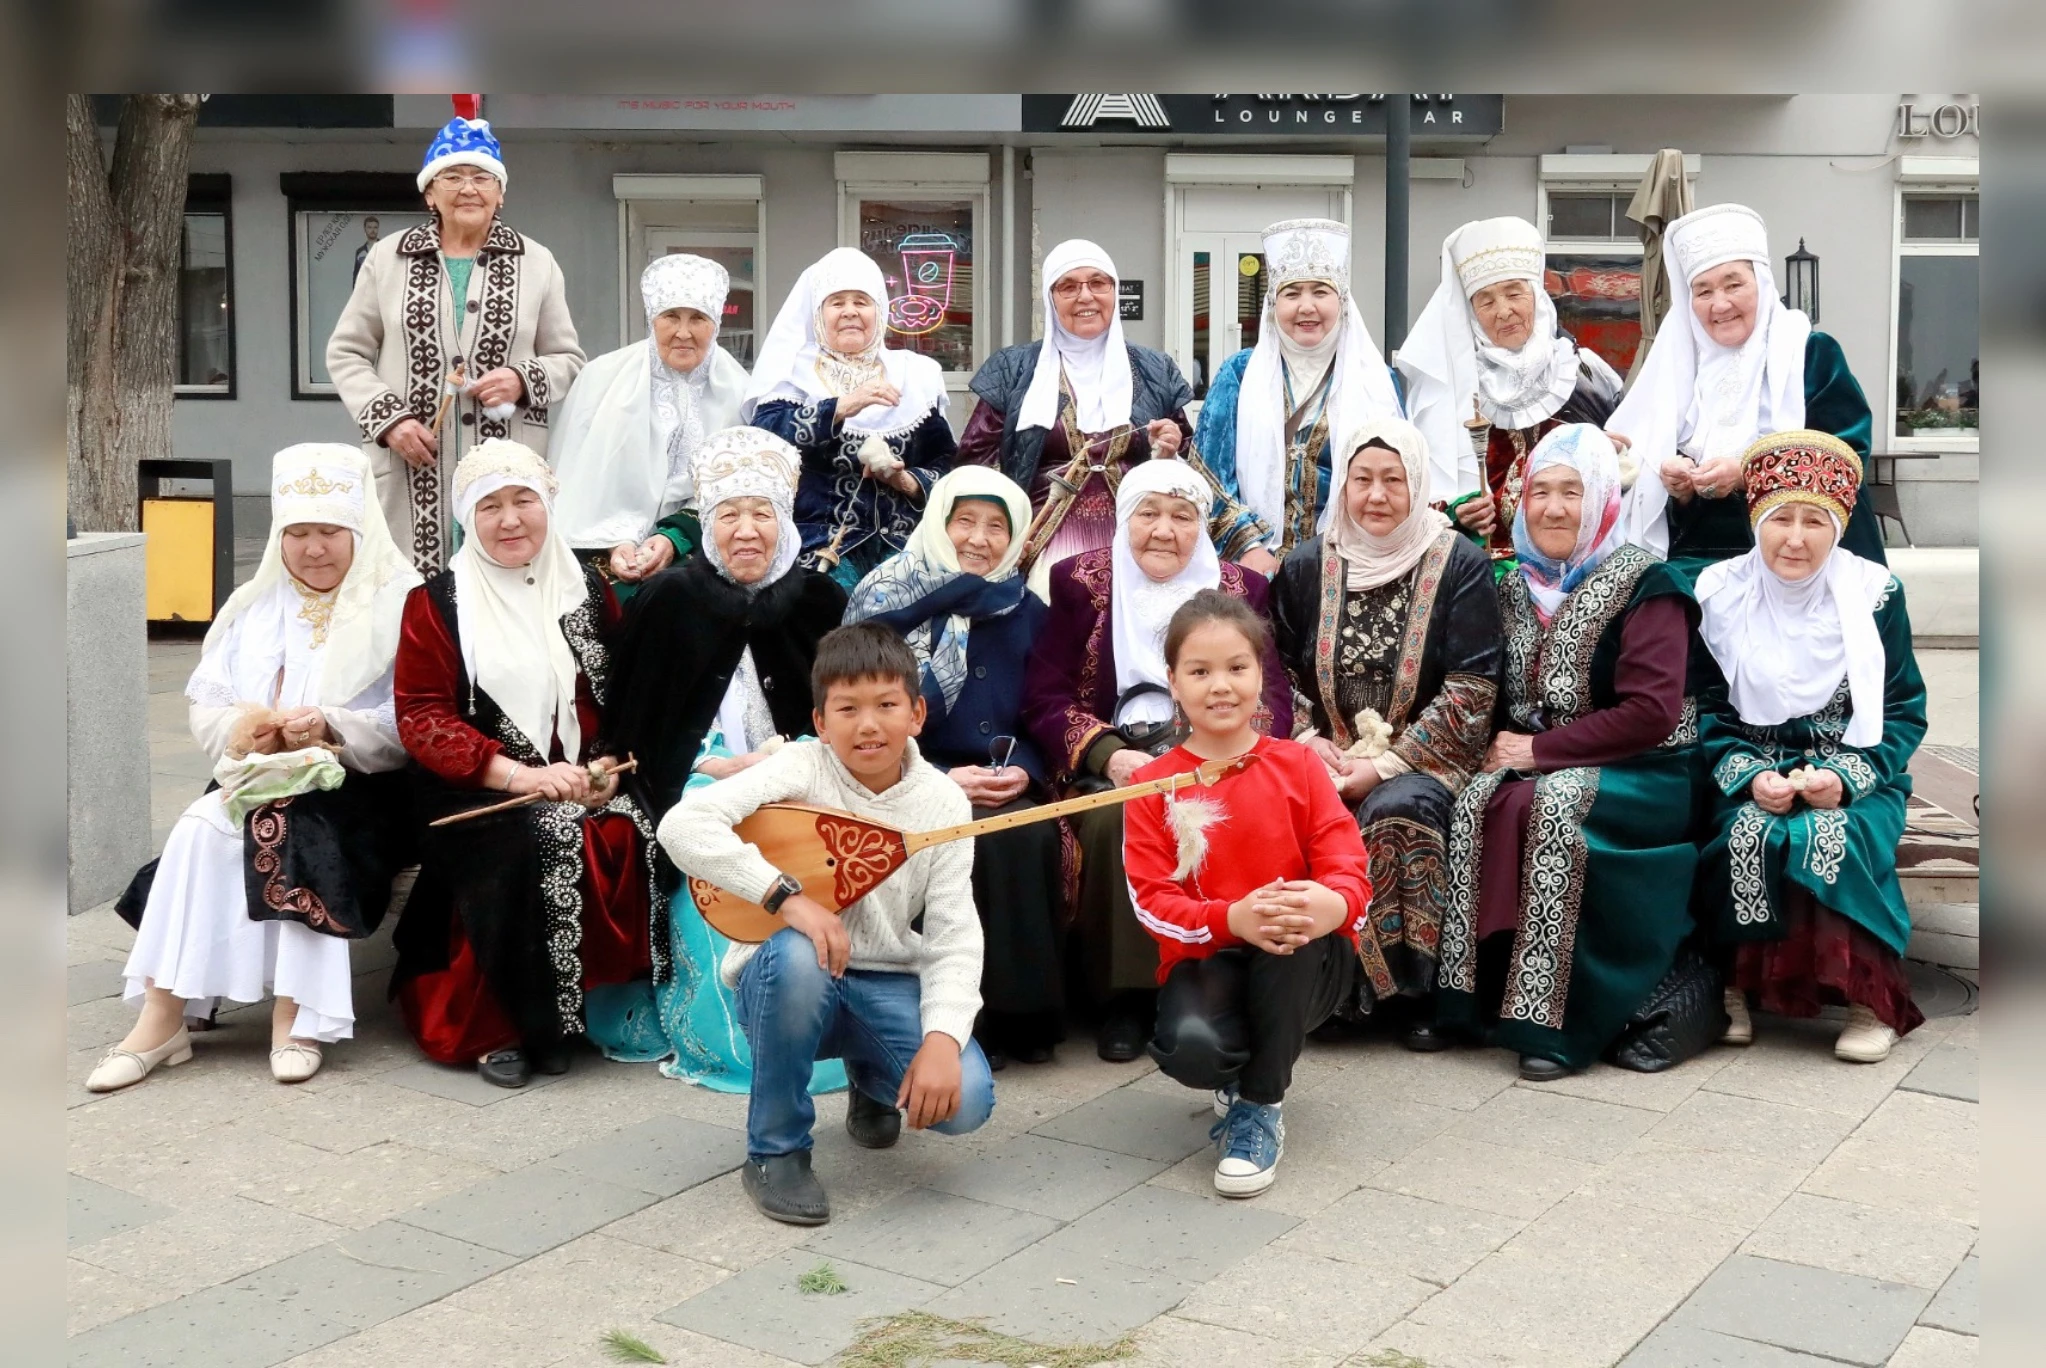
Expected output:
(1491, 250)
(746, 461)
(681, 281)
(1307, 249)
(1713, 236)
(314, 482)
(494, 465)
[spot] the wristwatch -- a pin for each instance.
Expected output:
(784, 889)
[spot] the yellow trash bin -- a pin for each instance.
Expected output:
(189, 559)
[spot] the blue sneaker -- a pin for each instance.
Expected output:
(1250, 1139)
(1225, 1098)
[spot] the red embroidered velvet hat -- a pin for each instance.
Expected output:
(1801, 467)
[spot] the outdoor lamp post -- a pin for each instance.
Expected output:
(1801, 282)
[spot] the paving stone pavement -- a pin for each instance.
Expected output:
(1767, 1207)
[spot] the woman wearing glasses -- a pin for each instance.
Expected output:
(1067, 417)
(955, 594)
(460, 308)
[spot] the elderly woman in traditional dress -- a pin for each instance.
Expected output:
(1275, 410)
(713, 670)
(1807, 748)
(1570, 854)
(1488, 349)
(266, 879)
(869, 419)
(1740, 365)
(501, 688)
(1069, 416)
(627, 436)
(1098, 702)
(955, 594)
(424, 320)
(1390, 620)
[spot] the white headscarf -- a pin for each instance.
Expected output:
(1697, 397)
(788, 366)
(627, 434)
(1370, 561)
(1784, 645)
(1360, 390)
(1098, 367)
(1140, 607)
(1587, 450)
(246, 649)
(1449, 361)
(509, 617)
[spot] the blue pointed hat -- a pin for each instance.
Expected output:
(464, 142)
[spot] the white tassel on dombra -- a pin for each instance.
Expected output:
(1190, 819)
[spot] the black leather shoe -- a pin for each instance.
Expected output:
(997, 1058)
(505, 1068)
(785, 1190)
(1121, 1037)
(552, 1059)
(1427, 1038)
(871, 1124)
(1032, 1054)
(1535, 1069)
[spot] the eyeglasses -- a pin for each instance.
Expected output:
(999, 751)
(459, 180)
(1073, 289)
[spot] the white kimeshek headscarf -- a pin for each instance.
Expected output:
(509, 617)
(1701, 399)
(1784, 645)
(256, 651)
(1140, 607)
(738, 463)
(1369, 561)
(1448, 360)
(1360, 391)
(788, 365)
(627, 434)
(1098, 367)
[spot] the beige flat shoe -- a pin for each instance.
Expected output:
(125, 1068)
(295, 1062)
(1740, 1029)
(1866, 1040)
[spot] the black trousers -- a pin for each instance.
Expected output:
(1240, 1015)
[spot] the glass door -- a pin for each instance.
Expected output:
(733, 251)
(1222, 279)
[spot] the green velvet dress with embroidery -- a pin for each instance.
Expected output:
(1708, 530)
(1588, 865)
(1846, 857)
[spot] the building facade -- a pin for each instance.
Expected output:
(957, 196)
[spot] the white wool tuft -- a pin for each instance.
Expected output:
(878, 457)
(1190, 819)
(1374, 736)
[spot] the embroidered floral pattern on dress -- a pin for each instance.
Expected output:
(1828, 843)
(267, 828)
(1551, 893)
(1737, 769)
(1459, 941)
(1744, 841)
(1408, 898)
(1447, 741)
(1368, 642)
(379, 414)
(1685, 733)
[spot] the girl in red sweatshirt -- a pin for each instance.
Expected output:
(1255, 889)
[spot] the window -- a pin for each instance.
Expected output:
(721, 218)
(1594, 249)
(205, 323)
(335, 219)
(1936, 343)
(919, 216)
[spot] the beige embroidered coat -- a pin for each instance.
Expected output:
(400, 336)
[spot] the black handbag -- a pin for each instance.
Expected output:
(1685, 1013)
(1152, 738)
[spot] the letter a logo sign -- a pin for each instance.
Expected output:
(1088, 110)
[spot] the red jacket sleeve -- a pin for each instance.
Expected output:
(429, 715)
(1336, 858)
(1164, 907)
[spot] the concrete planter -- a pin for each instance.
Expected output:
(106, 713)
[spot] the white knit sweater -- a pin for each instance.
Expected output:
(938, 883)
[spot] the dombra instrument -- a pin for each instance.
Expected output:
(840, 858)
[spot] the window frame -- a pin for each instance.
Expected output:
(380, 192)
(864, 176)
(1927, 178)
(211, 192)
(1601, 173)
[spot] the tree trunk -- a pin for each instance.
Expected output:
(126, 228)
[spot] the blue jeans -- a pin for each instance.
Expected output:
(795, 1014)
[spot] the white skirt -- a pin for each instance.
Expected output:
(197, 940)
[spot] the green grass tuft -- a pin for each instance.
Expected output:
(915, 1338)
(623, 1347)
(1393, 1358)
(822, 1279)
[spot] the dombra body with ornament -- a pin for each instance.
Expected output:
(840, 858)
